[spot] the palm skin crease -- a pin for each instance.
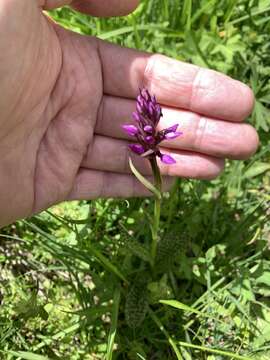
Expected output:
(63, 99)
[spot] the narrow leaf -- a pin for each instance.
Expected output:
(257, 169)
(214, 351)
(115, 311)
(28, 355)
(143, 180)
(178, 305)
(106, 263)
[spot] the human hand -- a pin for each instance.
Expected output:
(65, 96)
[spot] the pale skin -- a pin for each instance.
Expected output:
(65, 96)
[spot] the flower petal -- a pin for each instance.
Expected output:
(151, 109)
(131, 130)
(136, 148)
(167, 159)
(136, 117)
(172, 135)
(140, 107)
(148, 129)
(145, 94)
(153, 99)
(158, 112)
(149, 139)
(171, 128)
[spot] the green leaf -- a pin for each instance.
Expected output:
(28, 355)
(136, 304)
(107, 263)
(144, 181)
(178, 305)
(257, 169)
(242, 310)
(214, 351)
(58, 336)
(261, 273)
(135, 247)
(261, 116)
(186, 14)
(169, 247)
(129, 29)
(241, 286)
(115, 311)
(139, 250)
(160, 289)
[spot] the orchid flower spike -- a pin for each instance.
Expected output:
(146, 117)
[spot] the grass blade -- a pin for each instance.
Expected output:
(214, 351)
(164, 331)
(115, 311)
(28, 355)
(186, 14)
(107, 264)
(178, 305)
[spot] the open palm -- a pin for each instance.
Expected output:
(64, 97)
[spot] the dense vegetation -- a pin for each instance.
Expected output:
(75, 280)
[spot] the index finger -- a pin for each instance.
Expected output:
(175, 83)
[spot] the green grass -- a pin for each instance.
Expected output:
(75, 281)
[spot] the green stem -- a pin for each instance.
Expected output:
(157, 207)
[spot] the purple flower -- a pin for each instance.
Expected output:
(136, 148)
(167, 159)
(147, 115)
(130, 129)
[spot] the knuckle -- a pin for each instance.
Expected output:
(199, 132)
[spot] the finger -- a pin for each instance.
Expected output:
(112, 155)
(53, 4)
(105, 7)
(92, 184)
(175, 83)
(216, 138)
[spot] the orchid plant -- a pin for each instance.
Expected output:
(148, 138)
